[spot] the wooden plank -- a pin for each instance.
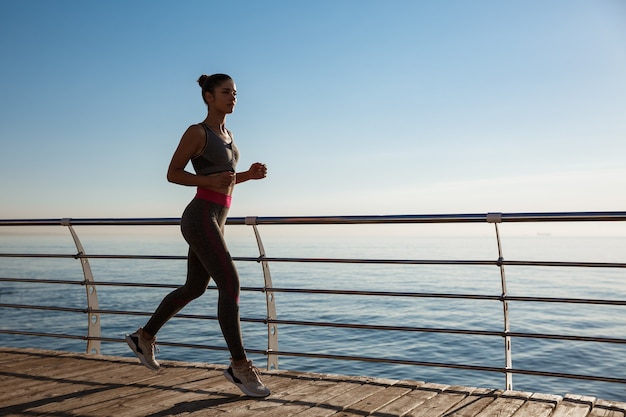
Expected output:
(357, 391)
(12, 358)
(506, 404)
(474, 403)
(379, 399)
(538, 405)
(418, 394)
(574, 406)
(604, 408)
(439, 404)
(304, 393)
(388, 396)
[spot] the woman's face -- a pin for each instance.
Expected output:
(224, 97)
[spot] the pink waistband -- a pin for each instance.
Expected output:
(214, 197)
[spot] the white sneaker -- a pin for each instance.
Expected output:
(143, 348)
(248, 379)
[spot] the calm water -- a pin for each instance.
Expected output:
(558, 356)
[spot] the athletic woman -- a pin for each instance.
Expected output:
(211, 149)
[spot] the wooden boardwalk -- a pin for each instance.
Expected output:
(50, 383)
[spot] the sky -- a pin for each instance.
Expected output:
(357, 107)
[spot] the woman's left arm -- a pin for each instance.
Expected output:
(257, 171)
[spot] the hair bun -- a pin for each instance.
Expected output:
(202, 80)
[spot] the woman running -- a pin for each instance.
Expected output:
(211, 149)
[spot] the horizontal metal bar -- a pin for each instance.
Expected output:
(46, 308)
(384, 293)
(38, 255)
(370, 261)
(41, 334)
(565, 264)
(469, 332)
(162, 221)
(120, 312)
(450, 365)
(440, 218)
(116, 340)
(566, 337)
(351, 358)
(95, 256)
(42, 281)
(388, 328)
(104, 339)
(498, 262)
(137, 284)
(590, 301)
(382, 219)
(173, 344)
(451, 296)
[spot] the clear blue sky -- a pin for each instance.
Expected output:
(356, 106)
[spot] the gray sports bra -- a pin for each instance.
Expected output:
(217, 156)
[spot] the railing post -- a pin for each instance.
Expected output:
(272, 328)
(93, 326)
(496, 218)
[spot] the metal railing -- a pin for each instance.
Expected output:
(272, 321)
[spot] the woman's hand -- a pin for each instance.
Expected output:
(220, 180)
(257, 171)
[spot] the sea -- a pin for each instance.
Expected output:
(396, 242)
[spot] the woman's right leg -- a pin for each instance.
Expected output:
(142, 342)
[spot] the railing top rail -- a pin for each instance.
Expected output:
(495, 217)
(440, 218)
(157, 221)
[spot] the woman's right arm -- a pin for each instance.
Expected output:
(191, 144)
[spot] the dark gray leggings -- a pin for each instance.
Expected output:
(202, 225)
